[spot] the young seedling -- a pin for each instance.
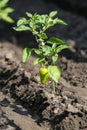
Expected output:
(48, 48)
(4, 11)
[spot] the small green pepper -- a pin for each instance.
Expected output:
(44, 75)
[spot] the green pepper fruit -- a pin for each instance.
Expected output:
(44, 75)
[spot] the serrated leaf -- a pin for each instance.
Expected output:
(26, 54)
(53, 13)
(54, 72)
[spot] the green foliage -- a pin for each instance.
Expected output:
(48, 48)
(5, 11)
(38, 24)
(26, 54)
(54, 72)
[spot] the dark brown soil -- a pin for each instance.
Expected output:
(20, 87)
(25, 104)
(75, 6)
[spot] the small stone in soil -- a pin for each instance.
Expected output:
(72, 109)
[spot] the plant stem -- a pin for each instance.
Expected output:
(54, 84)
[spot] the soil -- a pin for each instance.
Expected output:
(26, 104)
(75, 6)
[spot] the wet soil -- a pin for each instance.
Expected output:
(26, 104)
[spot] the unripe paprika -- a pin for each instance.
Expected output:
(44, 75)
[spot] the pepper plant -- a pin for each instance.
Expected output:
(48, 48)
(4, 11)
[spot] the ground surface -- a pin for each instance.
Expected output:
(25, 104)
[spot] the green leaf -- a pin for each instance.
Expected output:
(32, 24)
(29, 14)
(56, 40)
(7, 19)
(38, 60)
(43, 36)
(43, 19)
(8, 10)
(4, 11)
(54, 72)
(38, 51)
(54, 58)
(3, 3)
(46, 50)
(49, 23)
(21, 21)
(26, 54)
(21, 28)
(59, 21)
(53, 13)
(62, 47)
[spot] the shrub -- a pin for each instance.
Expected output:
(48, 48)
